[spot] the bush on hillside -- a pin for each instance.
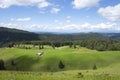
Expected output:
(2, 67)
(94, 67)
(61, 65)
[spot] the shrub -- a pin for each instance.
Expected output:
(13, 63)
(2, 67)
(80, 75)
(94, 67)
(61, 65)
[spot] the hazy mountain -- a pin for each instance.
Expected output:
(8, 34)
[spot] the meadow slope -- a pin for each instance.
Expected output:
(78, 63)
(73, 59)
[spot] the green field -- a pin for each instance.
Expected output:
(78, 63)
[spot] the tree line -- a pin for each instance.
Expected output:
(100, 45)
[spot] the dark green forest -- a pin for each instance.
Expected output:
(8, 35)
(96, 41)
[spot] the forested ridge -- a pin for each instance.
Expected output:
(21, 35)
(8, 35)
(97, 41)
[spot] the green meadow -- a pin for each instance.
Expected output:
(79, 64)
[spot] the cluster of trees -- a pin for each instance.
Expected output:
(57, 40)
(100, 45)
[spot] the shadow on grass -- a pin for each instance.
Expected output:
(26, 63)
(22, 63)
(51, 64)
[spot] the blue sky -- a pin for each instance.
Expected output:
(61, 15)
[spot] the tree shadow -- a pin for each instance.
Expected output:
(51, 64)
(27, 63)
(22, 63)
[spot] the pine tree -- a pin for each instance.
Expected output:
(61, 65)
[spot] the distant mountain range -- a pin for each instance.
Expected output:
(8, 34)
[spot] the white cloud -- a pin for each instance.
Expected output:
(55, 10)
(68, 21)
(106, 26)
(79, 4)
(58, 22)
(38, 3)
(85, 27)
(112, 13)
(5, 3)
(10, 25)
(68, 17)
(43, 4)
(21, 19)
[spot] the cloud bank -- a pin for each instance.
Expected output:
(79, 4)
(85, 27)
(38, 3)
(21, 19)
(111, 13)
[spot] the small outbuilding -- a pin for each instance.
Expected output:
(40, 53)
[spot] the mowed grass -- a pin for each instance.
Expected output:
(78, 63)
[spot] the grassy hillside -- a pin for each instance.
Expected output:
(78, 64)
(63, 75)
(73, 59)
